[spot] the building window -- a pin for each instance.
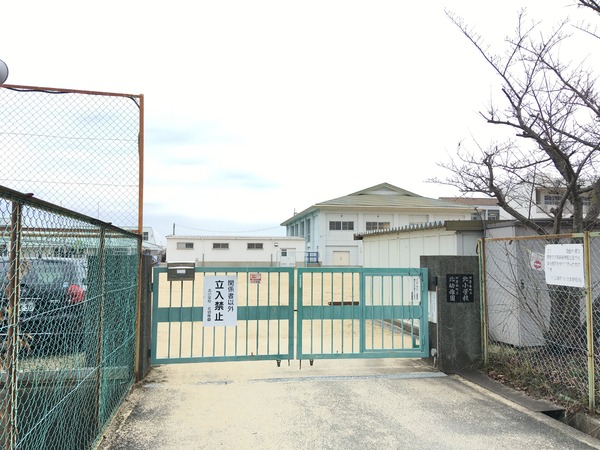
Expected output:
(284, 252)
(307, 230)
(587, 201)
(478, 215)
(371, 226)
(144, 235)
(551, 199)
(341, 225)
(255, 246)
(220, 245)
(414, 219)
(493, 214)
(185, 246)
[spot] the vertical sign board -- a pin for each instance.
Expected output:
(432, 306)
(564, 265)
(460, 288)
(415, 290)
(220, 301)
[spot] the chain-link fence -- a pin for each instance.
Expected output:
(68, 303)
(541, 317)
(80, 150)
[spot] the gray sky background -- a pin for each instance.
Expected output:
(257, 109)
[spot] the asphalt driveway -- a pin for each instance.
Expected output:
(334, 404)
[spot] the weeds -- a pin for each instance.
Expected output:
(561, 378)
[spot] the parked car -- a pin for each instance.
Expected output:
(51, 301)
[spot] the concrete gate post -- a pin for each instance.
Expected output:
(455, 315)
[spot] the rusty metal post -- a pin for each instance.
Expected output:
(138, 327)
(10, 408)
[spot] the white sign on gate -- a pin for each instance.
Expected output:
(220, 301)
(415, 290)
(564, 265)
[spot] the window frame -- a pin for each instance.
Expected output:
(372, 225)
(493, 214)
(344, 225)
(551, 199)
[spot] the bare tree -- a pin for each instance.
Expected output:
(592, 4)
(554, 109)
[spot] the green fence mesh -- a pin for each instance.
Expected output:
(69, 288)
(539, 336)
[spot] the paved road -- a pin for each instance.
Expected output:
(343, 404)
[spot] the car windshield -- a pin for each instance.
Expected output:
(40, 272)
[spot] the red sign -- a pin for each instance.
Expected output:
(255, 278)
(537, 264)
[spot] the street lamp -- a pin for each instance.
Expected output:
(3, 72)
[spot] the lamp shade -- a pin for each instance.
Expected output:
(3, 72)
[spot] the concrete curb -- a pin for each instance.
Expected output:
(582, 422)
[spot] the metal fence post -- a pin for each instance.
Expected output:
(589, 323)
(483, 299)
(9, 410)
(101, 300)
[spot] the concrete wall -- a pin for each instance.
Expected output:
(455, 331)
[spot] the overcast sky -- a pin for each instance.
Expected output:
(256, 109)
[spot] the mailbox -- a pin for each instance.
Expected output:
(181, 271)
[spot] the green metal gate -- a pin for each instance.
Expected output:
(265, 313)
(362, 313)
(286, 313)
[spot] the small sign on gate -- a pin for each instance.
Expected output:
(220, 301)
(255, 277)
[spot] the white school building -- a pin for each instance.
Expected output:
(236, 251)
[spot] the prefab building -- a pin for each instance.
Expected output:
(403, 247)
(209, 251)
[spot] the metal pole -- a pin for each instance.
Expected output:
(10, 410)
(589, 323)
(483, 297)
(100, 336)
(138, 327)
(141, 168)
